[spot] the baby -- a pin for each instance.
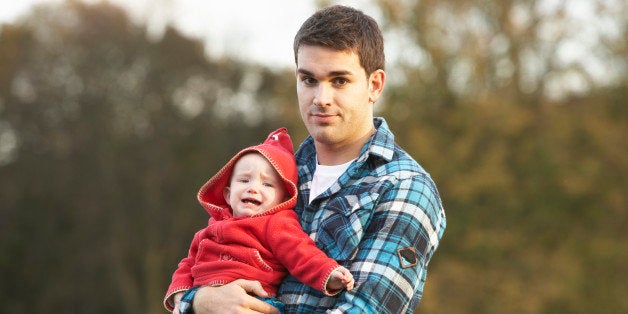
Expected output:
(253, 233)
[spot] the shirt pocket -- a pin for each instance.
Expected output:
(343, 224)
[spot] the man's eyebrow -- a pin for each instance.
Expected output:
(340, 73)
(332, 73)
(306, 72)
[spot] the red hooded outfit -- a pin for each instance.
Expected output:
(262, 247)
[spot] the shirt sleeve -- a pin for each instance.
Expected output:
(298, 253)
(391, 259)
(182, 279)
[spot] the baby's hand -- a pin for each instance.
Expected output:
(347, 278)
(340, 278)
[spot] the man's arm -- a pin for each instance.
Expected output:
(232, 298)
(391, 261)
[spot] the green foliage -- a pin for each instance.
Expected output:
(533, 183)
(536, 205)
(106, 136)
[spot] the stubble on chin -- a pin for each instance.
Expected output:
(324, 135)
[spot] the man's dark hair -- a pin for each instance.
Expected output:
(344, 29)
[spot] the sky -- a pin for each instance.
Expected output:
(261, 31)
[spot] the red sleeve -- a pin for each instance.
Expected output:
(182, 278)
(298, 252)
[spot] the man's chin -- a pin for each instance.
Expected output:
(323, 133)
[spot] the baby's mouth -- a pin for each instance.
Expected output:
(251, 201)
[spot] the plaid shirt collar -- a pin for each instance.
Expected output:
(380, 145)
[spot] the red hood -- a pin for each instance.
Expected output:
(277, 148)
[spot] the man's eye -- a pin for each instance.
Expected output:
(308, 80)
(340, 81)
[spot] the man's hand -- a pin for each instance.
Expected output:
(177, 301)
(232, 298)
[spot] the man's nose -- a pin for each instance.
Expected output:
(322, 95)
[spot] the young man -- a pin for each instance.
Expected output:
(363, 199)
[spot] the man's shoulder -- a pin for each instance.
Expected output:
(399, 175)
(402, 165)
(305, 152)
(392, 156)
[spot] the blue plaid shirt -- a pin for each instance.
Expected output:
(382, 219)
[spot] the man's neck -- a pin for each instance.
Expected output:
(338, 154)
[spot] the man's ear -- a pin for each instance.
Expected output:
(377, 79)
(225, 193)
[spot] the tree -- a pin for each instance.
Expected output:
(105, 138)
(107, 134)
(523, 137)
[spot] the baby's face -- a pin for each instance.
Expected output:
(255, 186)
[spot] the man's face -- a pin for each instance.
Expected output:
(335, 96)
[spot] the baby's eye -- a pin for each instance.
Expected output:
(243, 180)
(268, 184)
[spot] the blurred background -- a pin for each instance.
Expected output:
(113, 114)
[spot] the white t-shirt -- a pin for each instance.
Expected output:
(325, 176)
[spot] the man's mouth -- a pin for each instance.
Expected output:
(321, 113)
(323, 117)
